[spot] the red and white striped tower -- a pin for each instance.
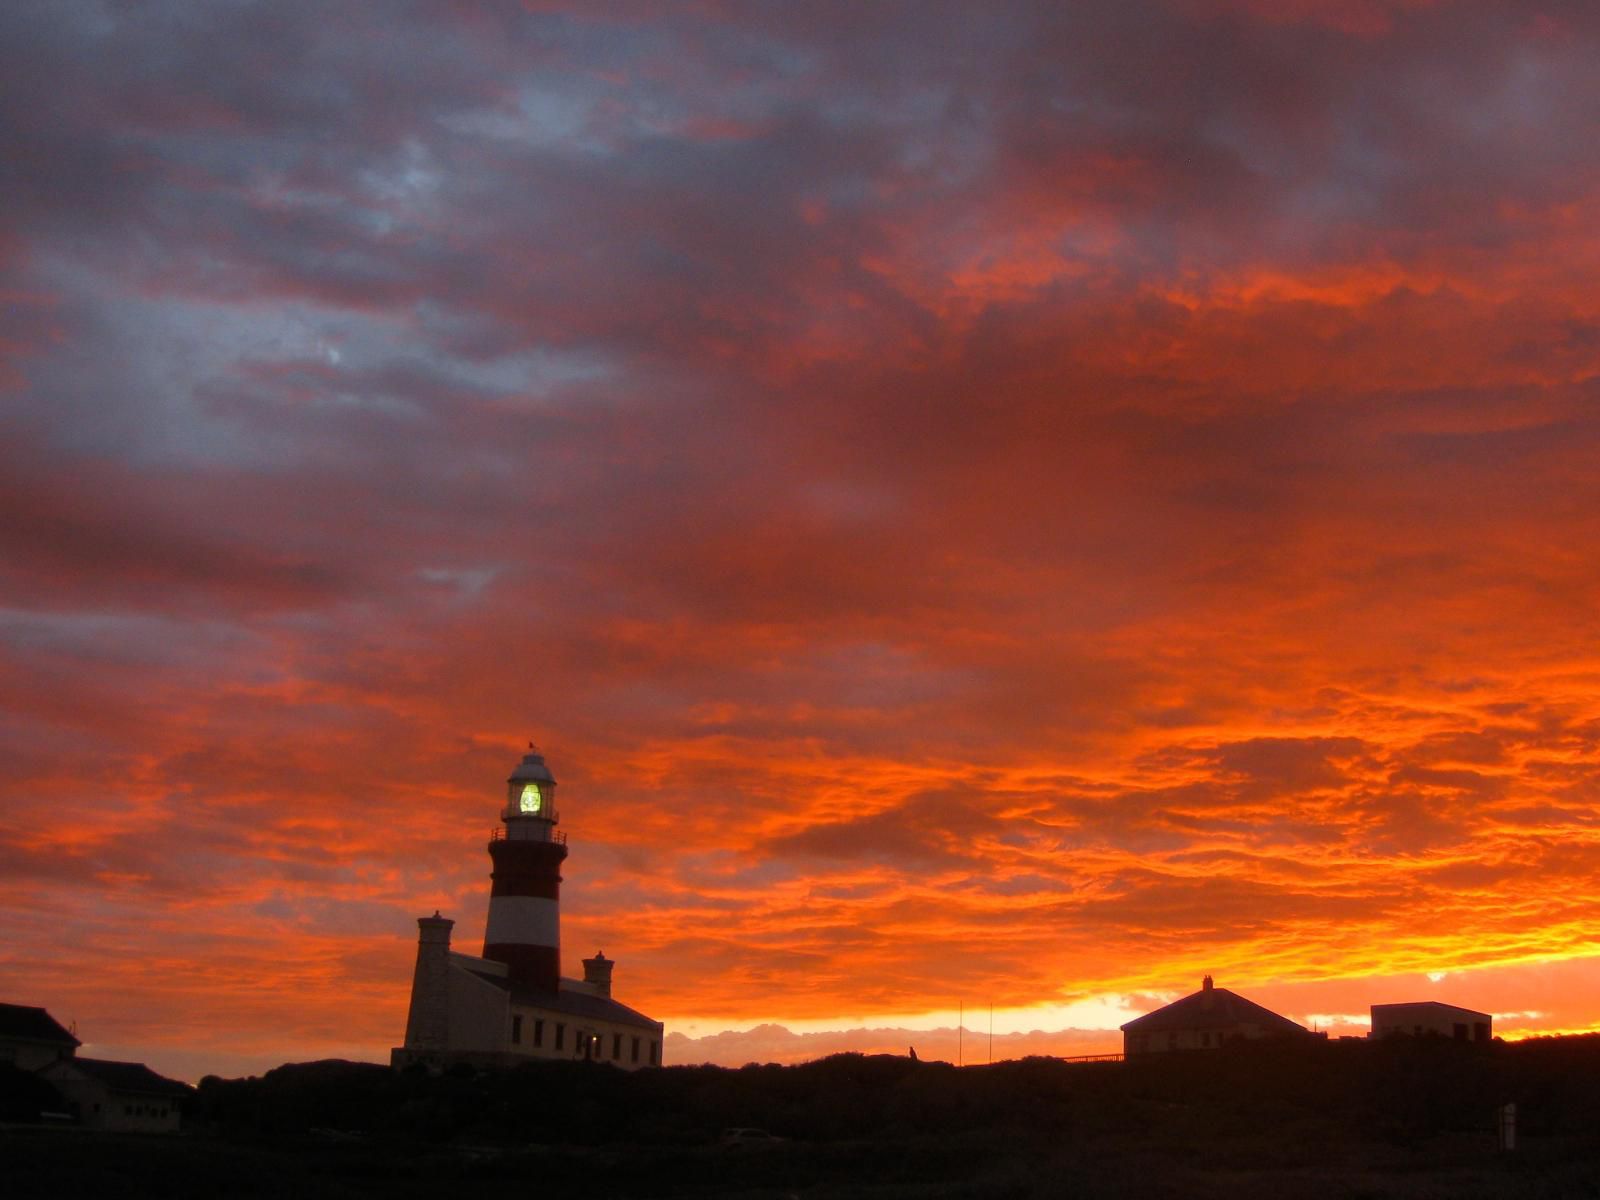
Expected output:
(524, 929)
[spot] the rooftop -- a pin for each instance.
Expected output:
(34, 1024)
(575, 996)
(1212, 1007)
(126, 1077)
(575, 999)
(532, 768)
(1455, 1008)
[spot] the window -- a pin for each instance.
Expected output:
(538, 1031)
(516, 1029)
(561, 1036)
(655, 1052)
(1205, 1040)
(635, 1049)
(616, 1046)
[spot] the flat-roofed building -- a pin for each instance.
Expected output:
(1430, 1018)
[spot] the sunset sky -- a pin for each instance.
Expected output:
(978, 503)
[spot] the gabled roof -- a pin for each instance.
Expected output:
(574, 998)
(587, 1004)
(21, 1021)
(123, 1076)
(475, 969)
(1212, 1008)
(602, 1008)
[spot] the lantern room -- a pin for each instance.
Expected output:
(530, 793)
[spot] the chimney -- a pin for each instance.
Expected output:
(597, 972)
(428, 1023)
(1205, 984)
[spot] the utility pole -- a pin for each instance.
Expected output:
(991, 1031)
(961, 1027)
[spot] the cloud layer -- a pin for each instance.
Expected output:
(1019, 504)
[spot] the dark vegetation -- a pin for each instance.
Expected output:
(1402, 1118)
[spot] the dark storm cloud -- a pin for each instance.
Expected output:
(96, 530)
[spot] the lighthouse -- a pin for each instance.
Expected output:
(524, 927)
(513, 1004)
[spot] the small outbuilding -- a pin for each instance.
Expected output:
(120, 1096)
(1429, 1018)
(1204, 1020)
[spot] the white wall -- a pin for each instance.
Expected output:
(1428, 1018)
(101, 1108)
(478, 1013)
(575, 1029)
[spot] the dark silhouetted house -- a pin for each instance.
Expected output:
(118, 1095)
(1425, 1018)
(513, 1004)
(1204, 1021)
(31, 1038)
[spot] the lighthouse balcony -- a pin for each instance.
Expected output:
(538, 831)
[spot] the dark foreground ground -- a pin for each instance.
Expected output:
(1325, 1120)
(965, 1166)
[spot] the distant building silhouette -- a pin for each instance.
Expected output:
(102, 1094)
(120, 1096)
(1425, 1018)
(1204, 1020)
(512, 1003)
(31, 1038)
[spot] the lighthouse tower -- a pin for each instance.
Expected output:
(512, 1005)
(524, 928)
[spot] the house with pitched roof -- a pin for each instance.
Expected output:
(104, 1094)
(31, 1038)
(122, 1096)
(1204, 1020)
